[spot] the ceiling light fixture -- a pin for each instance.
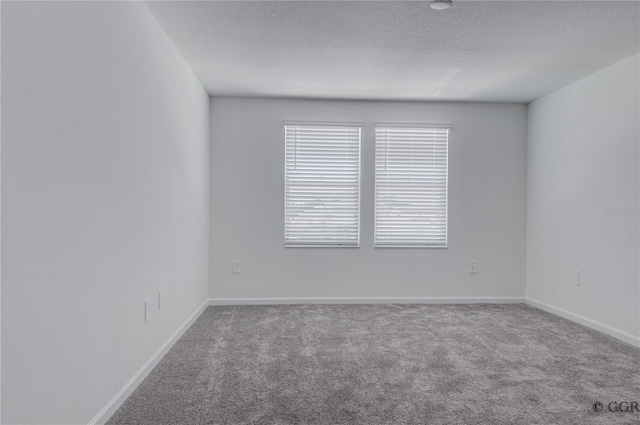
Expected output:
(440, 4)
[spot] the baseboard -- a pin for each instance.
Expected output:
(601, 327)
(368, 300)
(110, 408)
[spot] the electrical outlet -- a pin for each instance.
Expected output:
(160, 299)
(237, 267)
(147, 309)
(576, 277)
(473, 267)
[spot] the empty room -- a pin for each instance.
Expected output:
(320, 212)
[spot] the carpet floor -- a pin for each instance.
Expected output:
(387, 364)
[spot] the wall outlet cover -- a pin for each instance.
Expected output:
(237, 267)
(147, 309)
(473, 267)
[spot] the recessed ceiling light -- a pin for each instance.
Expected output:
(440, 4)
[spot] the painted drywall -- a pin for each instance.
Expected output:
(486, 205)
(105, 201)
(582, 198)
(0, 217)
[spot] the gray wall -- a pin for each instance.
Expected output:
(582, 198)
(105, 201)
(486, 205)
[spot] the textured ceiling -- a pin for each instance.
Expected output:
(500, 51)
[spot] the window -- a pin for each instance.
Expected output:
(322, 185)
(411, 186)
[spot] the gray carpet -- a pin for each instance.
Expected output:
(387, 364)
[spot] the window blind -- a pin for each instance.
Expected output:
(411, 186)
(322, 185)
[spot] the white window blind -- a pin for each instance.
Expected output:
(322, 185)
(411, 186)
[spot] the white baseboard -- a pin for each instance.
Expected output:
(110, 408)
(368, 300)
(601, 327)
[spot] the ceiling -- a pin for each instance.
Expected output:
(495, 51)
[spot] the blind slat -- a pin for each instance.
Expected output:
(322, 185)
(411, 167)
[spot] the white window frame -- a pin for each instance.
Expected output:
(379, 241)
(347, 242)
